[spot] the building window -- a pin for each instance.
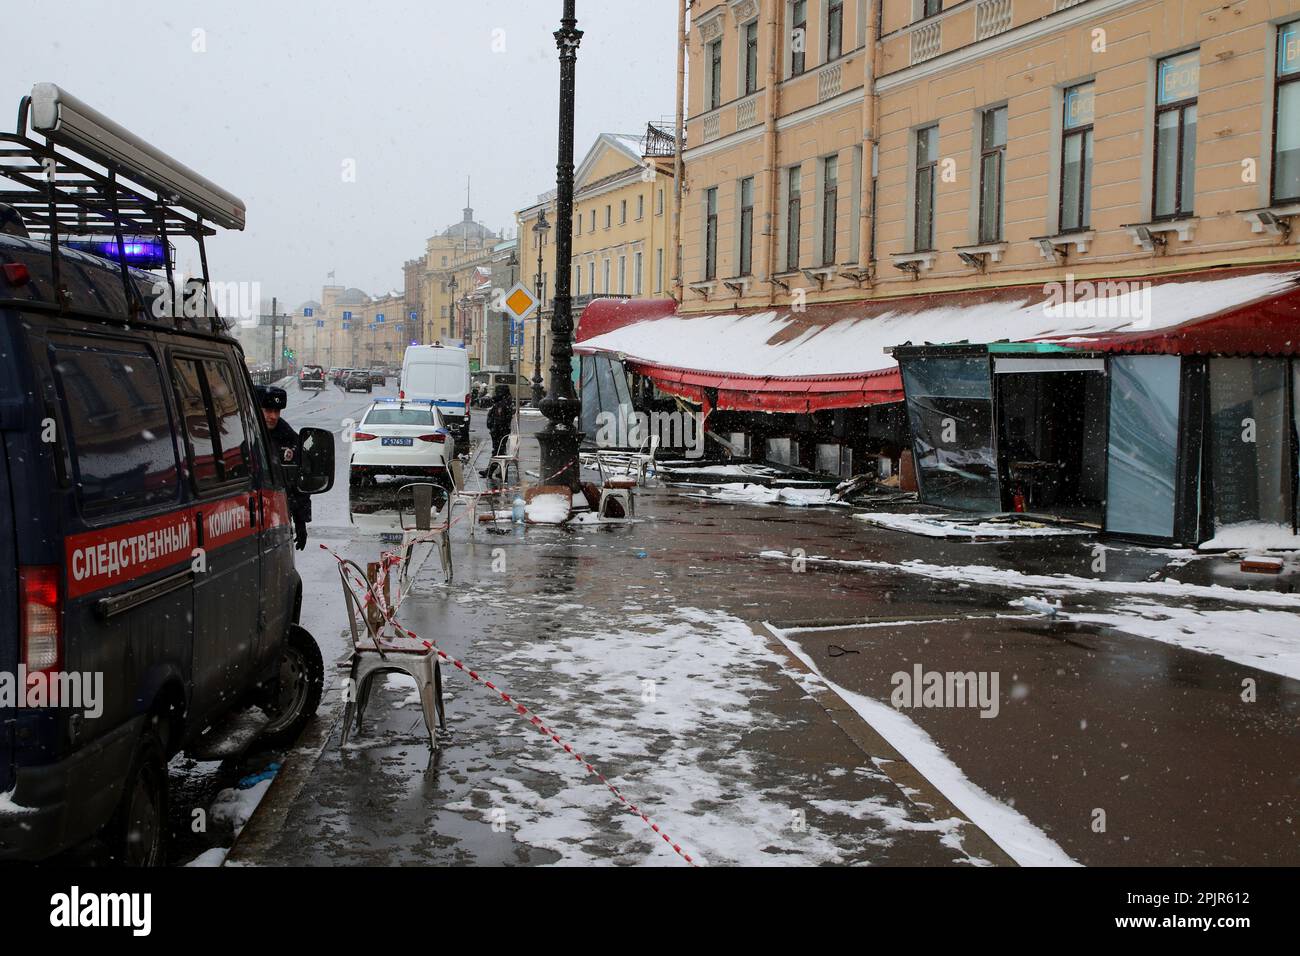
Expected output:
(1286, 116)
(993, 149)
(607, 277)
(715, 74)
(793, 215)
(593, 220)
(834, 29)
(659, 208)
(577, 280)
(830, 201)
(622, 211)
(750, 33)
(577, 222)
(640, 208)
(591, 276)
(1174, 184)
(636, 273)
(609, 215)
(927, 160)
(746, 226)
(622, 275)
(659, 270)
(930, 7)
(1076, 159)
(798, 36)
(711, 233)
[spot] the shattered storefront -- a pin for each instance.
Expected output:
(1177, 422)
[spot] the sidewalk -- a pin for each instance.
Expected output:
(644, 646)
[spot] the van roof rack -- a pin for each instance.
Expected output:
(91, 178)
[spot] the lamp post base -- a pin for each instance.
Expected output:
(559, 445)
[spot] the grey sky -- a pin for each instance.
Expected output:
(289, 89)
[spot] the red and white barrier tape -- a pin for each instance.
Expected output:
(375, 595)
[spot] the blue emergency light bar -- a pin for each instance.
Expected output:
(141, 253)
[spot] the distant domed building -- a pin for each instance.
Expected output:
(352, 296)
(467, 230)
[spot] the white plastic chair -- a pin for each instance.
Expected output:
(460, 496)
(503, 459)
(644, 462)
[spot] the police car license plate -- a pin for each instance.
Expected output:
(403, 442)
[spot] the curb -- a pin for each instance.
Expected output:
(261, 833)
(914, 787)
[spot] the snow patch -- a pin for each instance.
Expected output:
(936, 527)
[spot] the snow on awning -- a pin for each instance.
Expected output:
(834, 355)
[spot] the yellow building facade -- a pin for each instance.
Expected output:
(842, 150)
(622, 233)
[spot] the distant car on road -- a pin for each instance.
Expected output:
(311, 376)
(401, 438)
(378, 376)
(357, 380)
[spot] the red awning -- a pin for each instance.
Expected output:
(836, 355)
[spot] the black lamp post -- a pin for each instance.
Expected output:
(451, 305)
(540, 229)
(559, 440)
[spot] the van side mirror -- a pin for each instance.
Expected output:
(315, 459)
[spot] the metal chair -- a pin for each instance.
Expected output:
(384, 650)
(615, 491)
(422, 530)
(462, 497)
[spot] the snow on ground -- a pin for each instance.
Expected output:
(1253, 534)
(236, 806)
(1023, 842)
(744, 493)
(549, 509)
(7, 805)
(931, 526)
(1059, 583)
(213, 857)
(1265, 640)
(661, 706)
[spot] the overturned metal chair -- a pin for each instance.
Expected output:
(382, 649)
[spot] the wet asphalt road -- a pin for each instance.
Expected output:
(1155, 736)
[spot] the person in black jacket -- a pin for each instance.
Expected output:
(500, 421)
(284, 445)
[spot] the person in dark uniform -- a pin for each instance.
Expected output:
(500, 421)
(284, 445)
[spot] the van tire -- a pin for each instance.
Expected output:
(137, 833)
(302, 677)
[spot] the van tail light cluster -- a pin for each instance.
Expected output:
(364, 436)
(401, 393)
(39, 613)
(437, 437)
(16, 273)
(467, 404)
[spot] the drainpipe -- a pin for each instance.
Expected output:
(678, 291)
(866, 225)
(772, 103)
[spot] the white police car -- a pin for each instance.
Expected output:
(407, 439)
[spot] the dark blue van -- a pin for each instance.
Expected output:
(147, 584)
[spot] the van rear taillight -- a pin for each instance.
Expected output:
(401, 393)
(16, 273)
(38, 617)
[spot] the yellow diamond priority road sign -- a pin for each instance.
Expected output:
(519, 302)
